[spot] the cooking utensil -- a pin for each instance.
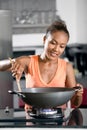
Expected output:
(46, 97)
(17, 80)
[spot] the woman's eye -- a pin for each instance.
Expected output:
(62, 46)
(52, 42)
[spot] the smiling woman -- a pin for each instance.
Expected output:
(48, 69)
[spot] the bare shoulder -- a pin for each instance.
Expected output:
(69, 69)
(70, 75)
(69, 66)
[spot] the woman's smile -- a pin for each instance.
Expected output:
(54, 54)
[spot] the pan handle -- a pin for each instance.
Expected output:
(77, 88)
(18, 93)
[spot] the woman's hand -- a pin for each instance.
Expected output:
(28, 108)
(17, 69)
(80, 91)
(78, 97)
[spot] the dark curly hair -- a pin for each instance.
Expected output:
(57, 26)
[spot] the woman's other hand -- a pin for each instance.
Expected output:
(78, 97)
(80, 91)
(28, 108)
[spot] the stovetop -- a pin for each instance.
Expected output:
(46, 113)
(39, 117)
(18, 120)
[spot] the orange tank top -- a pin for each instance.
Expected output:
(33, 78)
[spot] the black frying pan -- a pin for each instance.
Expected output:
(46, 97)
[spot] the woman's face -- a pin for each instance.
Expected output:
(54, 44)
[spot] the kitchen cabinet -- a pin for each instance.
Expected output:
(30, 16)
(6, 82)
(29, 28)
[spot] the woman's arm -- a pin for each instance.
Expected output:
(5, 65)
(19, 66)
(71, 82)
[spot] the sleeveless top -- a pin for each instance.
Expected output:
(33, 78)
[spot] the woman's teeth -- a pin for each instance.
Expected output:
(54, 54)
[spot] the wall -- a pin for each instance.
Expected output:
(25, 40)
(81, 21)
(67, 11)
(74, 13)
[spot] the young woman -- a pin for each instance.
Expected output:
(48, 69)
